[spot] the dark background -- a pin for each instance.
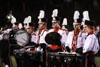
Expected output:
(23, 8)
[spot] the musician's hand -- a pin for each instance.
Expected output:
(68, 49)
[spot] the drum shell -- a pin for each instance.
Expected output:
(19, 54)
(64, 59)
(35, 55)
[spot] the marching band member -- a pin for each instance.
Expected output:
(5, 48)
(56, 37)
(32, 42)
(54, 41)
(83, 33)
(32, 35)
(41, 33)
(15, 28)
(65, 27)
(91, 46)
(56, 27)
(30, 27)
(42, 28)
(71, 43)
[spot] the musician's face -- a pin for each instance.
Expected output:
(76, 26)
(42, 25)
(84, 29)
(55, 24)
(29, 30)
(87, 29)
(16, 27)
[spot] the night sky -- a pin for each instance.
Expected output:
(23, 8)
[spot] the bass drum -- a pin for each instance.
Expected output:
(21, 37)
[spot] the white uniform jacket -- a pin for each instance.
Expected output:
(81, 37)
(41, 36)
(91, 44)
(5, 32)
(33, 38)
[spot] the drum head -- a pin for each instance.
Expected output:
(22, 37)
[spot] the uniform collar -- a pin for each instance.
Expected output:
(56, 29)
(76, 32)
(91, 32)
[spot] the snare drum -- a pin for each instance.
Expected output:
(20, 54)
(64, 58)
(35, 55)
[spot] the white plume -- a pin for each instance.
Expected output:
(86, 16)
(13, 19)
(27, 20)
(64, 21)
(20, 26)
(41, 14)
(55, 13)
(76, 15)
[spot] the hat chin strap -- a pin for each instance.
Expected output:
(56, 26)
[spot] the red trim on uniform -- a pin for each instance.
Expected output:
(56, 30)
(73, 40)
(54, 47)
(86, 61)
(91, 32)
(40, 34)
(76, 32)
(90, 26)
